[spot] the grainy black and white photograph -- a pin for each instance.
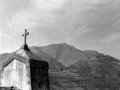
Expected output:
(59, 44)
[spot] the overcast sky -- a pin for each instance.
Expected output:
(85, 24)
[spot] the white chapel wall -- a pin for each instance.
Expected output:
(15, 74)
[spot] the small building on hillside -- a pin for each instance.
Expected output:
(25, 70)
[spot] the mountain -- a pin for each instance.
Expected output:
(63, 53)
(4, 57)
(99, 70)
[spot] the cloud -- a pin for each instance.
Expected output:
(4, 38)
(21, 20)
(47, 5)
(110, 38)
(55, 13)
(97, 1)
(116, 24)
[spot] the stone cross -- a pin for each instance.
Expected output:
(25, 35)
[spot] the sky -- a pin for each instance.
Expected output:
(85, 24)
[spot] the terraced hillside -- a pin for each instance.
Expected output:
(66, 81)
(69, 81)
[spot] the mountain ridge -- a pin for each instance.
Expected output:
(63, 53)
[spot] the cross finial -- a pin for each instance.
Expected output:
(25, 35)
(25, 46)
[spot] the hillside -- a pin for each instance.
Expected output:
(99, 70)
(66, 81)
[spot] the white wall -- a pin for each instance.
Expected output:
(15, 74)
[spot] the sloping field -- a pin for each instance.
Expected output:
(64, 80)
